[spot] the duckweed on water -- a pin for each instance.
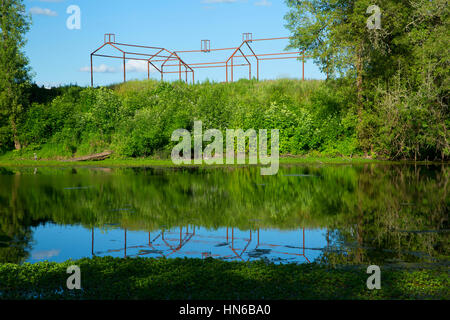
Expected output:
(142, 278)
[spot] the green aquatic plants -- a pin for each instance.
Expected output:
(196, 279)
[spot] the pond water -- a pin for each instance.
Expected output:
(334, 214)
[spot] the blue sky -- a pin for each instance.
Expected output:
(59, 55)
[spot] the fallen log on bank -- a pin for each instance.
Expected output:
(93, 157)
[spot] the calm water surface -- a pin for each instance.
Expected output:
(333, 214)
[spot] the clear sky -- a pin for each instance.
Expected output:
(59, 55)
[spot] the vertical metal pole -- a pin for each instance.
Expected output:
(226, 68)
(232, 69)
(257, 69)
(125, 249)
(124, 69)
(92, 250)
(232, 238)
(303, 241)
(303, 66)
(162, 73)
(92, 73)
(148, 70)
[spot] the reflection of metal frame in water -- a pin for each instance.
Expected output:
(287, 253)
(182, 241)
(239, 255)
(188, 236)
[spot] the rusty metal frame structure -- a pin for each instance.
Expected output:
(161, 56)
(213, 64)
(247, 39)
(155, 53)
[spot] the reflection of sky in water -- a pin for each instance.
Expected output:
(60, 243)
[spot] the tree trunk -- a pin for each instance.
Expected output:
(359, 89)
(17, 144)
(359, 82)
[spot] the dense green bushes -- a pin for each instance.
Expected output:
(137, 119)
(398, 68)
(408, 121)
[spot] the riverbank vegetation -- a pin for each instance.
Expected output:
(135, 120)
(394, 54)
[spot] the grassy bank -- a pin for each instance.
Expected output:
(152, 162)
(6, 161)
(116, 278)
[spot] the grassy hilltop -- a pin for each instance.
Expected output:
(136, 119)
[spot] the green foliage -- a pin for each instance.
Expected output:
(417, 123)
(400, 71)
(14, 70)
(195, 279)
(137, 119)
(332, 31)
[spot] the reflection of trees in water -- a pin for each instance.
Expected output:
(370, 205)
(15, 234)
(400, 215)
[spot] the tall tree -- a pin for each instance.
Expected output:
(334, 32)
(400, 67)
(14, 69)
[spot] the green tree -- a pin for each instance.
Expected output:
(14, 69)
(400, 69)
(334, 32)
